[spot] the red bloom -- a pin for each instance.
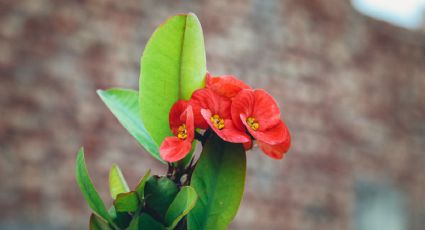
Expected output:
(215, 110)
(226, 85)
(182, 126)
(257, 112)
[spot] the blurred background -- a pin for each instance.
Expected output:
(349, 77)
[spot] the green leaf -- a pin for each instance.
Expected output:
(134, 224)
(182, 204)
(145, 222)
(140, 188)
(121, 219)
(97, 223)
(218, 179)
(173, 65)
(117, 182)
(126, 202)
(123, 103)
(159, 193)
(87, 187)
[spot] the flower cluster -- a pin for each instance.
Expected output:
(234, 111)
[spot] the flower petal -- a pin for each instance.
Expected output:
(177, 115)
(201, 99)
(197, 117)
(226, 85)
(243, 104)
(190, 124)
(275, 151)
(247, 145)
(173, 149)
(266, 111)
(207, 99)
(272, 136)
(229, 133)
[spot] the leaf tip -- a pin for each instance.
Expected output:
(80, 153)
(191, 14)
(114, 166)
(100, 92)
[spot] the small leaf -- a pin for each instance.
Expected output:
(218, 179)
(123, 103)
(117, 182)
(126, 202)
(140, 188)
(159, 193)
(173, 65)
(97, 223)
(145, 222)
(87, 188)
(182, 204)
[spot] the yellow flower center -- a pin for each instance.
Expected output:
(182, 132)
(252, 123)
(217, 121)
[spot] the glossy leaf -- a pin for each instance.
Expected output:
(117, 182)
(123, 103)
(87, 188)
(173, 65)
(97, 223)
(140, 188)
(218, 179)
(126, 202)
(160, 192)
(182, 204)
(145, 222)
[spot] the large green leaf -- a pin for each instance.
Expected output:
(218, 179)
(97, 223)
(123, 103)
(87, 187)
(117, 182)
(159, 193)
(182, 204)
(173, 65)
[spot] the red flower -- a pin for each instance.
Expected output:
(257, 112)
(182, 126)
(215, 110)
(226, 85)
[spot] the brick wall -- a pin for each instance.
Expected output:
(351, 89)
